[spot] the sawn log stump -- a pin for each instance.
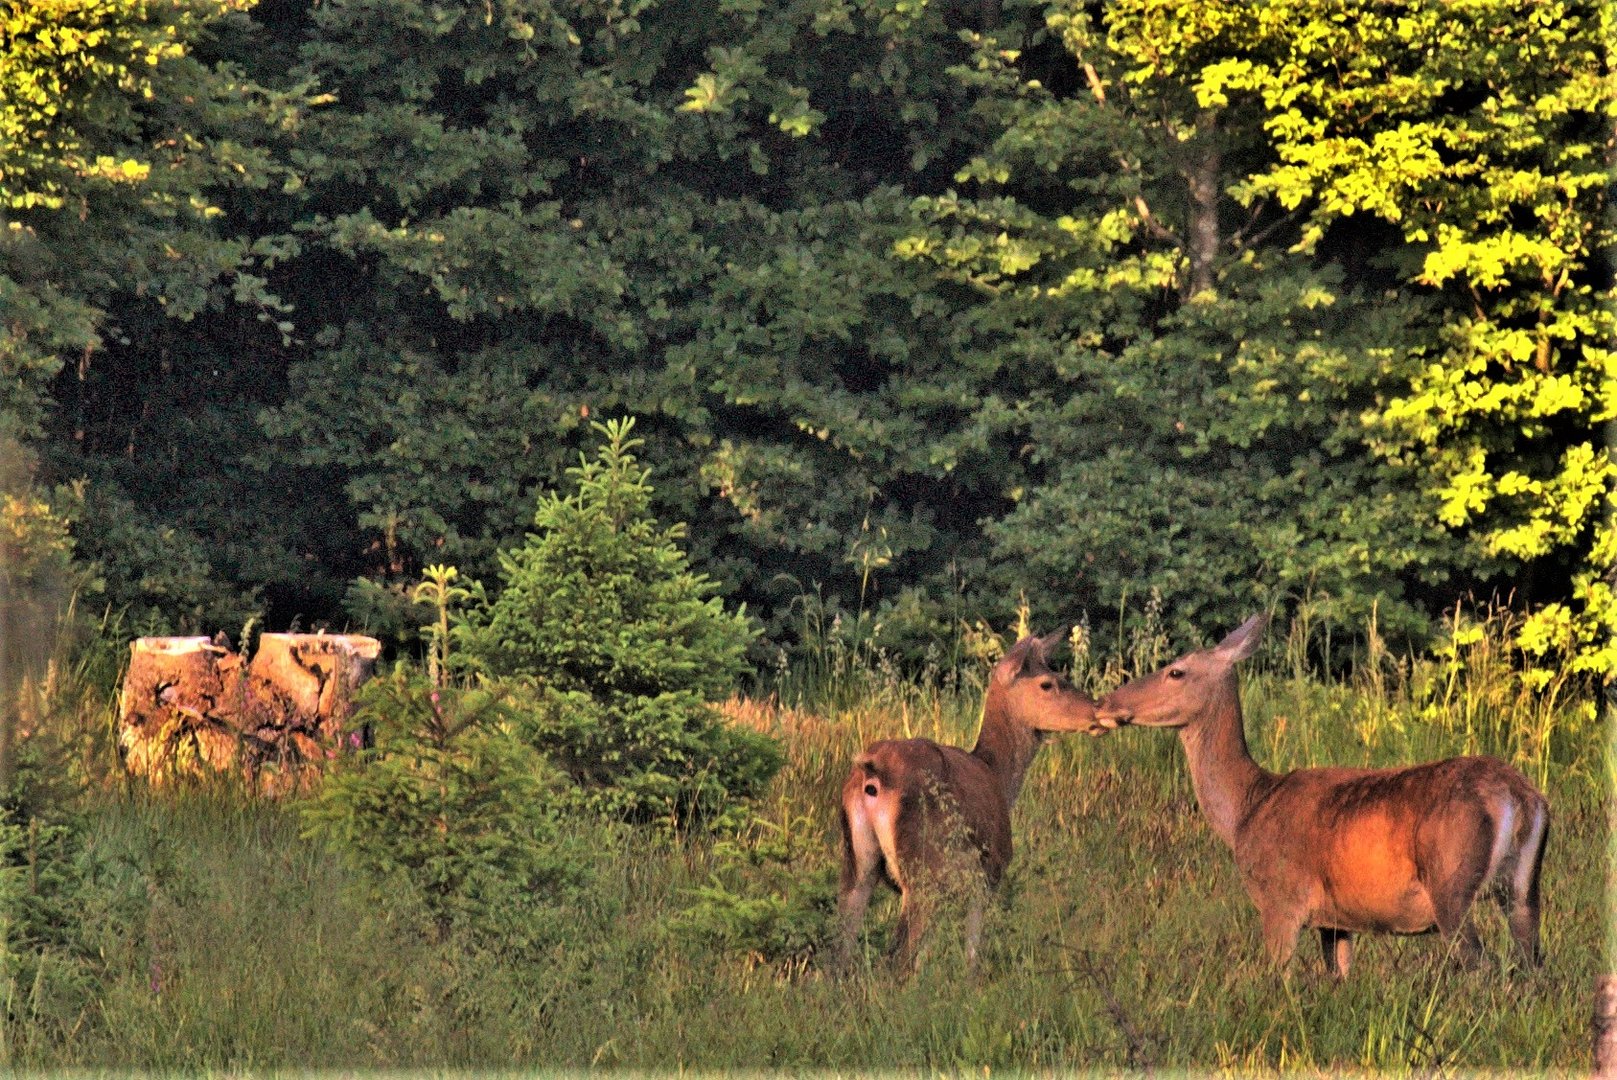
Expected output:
(191, 707)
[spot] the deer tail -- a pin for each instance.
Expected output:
(875, 777)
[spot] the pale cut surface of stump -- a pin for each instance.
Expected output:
(191, 707)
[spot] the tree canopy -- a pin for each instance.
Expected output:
(922, 308)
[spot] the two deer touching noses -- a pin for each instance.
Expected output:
(1341, 850)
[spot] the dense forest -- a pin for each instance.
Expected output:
(922, 309)
(692, 394)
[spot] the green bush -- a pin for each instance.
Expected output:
(455, 805)
(625, 648)
(771, 898)
(48, 968)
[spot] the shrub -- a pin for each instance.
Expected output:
(48, 968)
(454, 804)
(771, 898)
(625, 648)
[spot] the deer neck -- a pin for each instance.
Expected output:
(1007, 749)
(1222, 771)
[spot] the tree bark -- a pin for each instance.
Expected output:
(178, 707)
(191, 707)
(8, 690)
(1202, 178)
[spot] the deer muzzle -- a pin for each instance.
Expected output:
(1111, 717)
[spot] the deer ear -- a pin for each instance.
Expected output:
(1243, 640)
(1049, 643)
(1015, 659)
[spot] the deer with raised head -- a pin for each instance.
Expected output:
(1342, 850)
(923, 816)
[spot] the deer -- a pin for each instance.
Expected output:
(928, 818)
(1347, 850)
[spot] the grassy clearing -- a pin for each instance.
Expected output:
(1124, 940)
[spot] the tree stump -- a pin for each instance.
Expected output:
(191, 707)
(299, 694)
(178, 707)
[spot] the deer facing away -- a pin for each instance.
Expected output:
(917, 813)
(1346, 851)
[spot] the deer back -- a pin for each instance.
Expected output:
(944, 797)
(1372, 845)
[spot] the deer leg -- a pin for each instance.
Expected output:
(1337, 945)
(1518, 899)
(1520, 909)
(1454, 922)
(861, 869)
(912, 864)
(1280, 927)
(907, 932)
(851, 905)
(1458, 864)
(974, 926)
(1469, 941)
(1523, 917)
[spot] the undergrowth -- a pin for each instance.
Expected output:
(217, 938)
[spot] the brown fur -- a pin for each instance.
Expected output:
(1403, 850)
(925, 817)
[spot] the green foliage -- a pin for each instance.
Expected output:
(438, 593)
(126, 153)
(46, 973)
(771, 898)
(921, 305)
(157, 574)
(58, 60)
(1480, 136)
(85, 199)
(53, 891)
(720, 272)
(601, 597)
(1191, 392)
(626, 646)
(1258, 396)
(452, 805)
(36, 540)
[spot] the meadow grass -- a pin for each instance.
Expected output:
(1122, 941)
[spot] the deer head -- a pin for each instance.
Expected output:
(1025, 691)
(1181, 692)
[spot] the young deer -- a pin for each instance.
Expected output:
(915, 812)
(1347, 850)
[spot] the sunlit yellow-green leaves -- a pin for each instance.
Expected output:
(59, 58)
(1480, 130)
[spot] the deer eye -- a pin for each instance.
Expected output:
(1176, 673)
(1046, 684)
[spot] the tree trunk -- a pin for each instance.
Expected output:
(1202, 177)
(8, 690)
(300, 691)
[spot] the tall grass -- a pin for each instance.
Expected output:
(1123, 940)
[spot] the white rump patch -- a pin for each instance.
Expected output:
(1504, 835)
